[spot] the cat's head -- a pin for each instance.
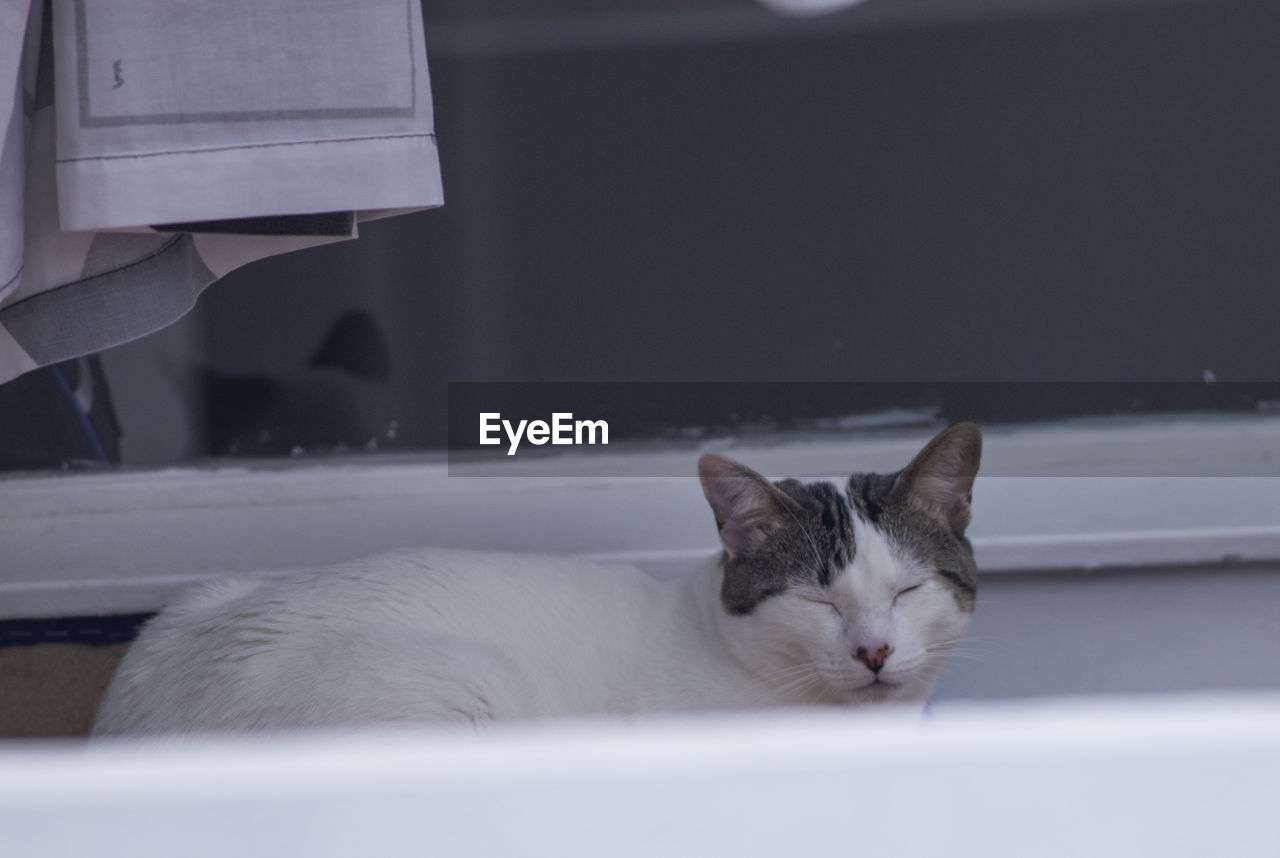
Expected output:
(852, 595)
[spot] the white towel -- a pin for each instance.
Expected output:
(151, 146)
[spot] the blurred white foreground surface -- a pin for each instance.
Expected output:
(1125, 777)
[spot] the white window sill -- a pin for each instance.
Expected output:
(1108, 778)
(128, 541)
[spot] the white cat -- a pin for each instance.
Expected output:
(820, 596)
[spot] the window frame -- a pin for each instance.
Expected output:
(1047, 500)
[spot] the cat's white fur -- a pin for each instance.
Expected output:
(464, 638)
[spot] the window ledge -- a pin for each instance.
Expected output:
(126, 542)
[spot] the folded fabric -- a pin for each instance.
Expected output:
(152, 146)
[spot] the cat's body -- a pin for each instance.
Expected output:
(819, 597)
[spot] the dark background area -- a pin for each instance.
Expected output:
(1089, 195)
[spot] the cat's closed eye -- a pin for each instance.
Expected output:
(830, 604)
(905, 590)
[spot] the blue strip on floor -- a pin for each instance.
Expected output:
(102, 630)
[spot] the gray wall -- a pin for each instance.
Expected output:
(1165, 630)
(1089, 195)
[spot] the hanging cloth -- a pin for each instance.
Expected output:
(151, 146)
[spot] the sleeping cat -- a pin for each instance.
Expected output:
(820, 596)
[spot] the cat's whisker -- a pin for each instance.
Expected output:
(792, 688)
(934, 667)
(809, 684)
(797, 681)
(979, 641)
(997, 643)
(797, 666)
(960, 650)
(795, 676)
(793, 670)
(952, 649)
(961, 657)
(963, 650)
(793, 683)
(961, 639)
(942, 657)
(792, 677)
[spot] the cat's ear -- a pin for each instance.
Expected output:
(746, 505)
(939, 480)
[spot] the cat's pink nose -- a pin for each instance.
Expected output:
(873, 660)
